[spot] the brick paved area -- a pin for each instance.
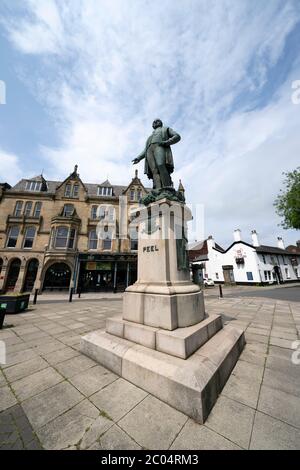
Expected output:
(51, 396)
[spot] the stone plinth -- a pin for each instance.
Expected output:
(164, 342)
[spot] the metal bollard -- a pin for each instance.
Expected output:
(71, 295)
(35, 296)
(221, 292)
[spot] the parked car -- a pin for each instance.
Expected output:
(209, 282)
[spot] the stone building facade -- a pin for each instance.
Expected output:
(60, 234)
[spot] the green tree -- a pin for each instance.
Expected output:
(288, 201)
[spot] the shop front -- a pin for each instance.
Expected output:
(106, 273)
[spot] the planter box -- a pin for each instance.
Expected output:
(14, 303)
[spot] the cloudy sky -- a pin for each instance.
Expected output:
(85, 78)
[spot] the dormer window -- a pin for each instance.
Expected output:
(33, 186)
(104, 191)
(68, 210)
(132, 195)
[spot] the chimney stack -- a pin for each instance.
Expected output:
(210, 242)
(280, 243)
(255, 241)
(237, 235)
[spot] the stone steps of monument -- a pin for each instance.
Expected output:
(189, 385)
(181, 342)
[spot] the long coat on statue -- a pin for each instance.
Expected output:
(167, 135)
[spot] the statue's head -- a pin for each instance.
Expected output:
(157, 123)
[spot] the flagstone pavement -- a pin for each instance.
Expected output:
(53, 397)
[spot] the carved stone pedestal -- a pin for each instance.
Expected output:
(164, 342)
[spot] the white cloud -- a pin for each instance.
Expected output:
(9, 166)
(108, 68)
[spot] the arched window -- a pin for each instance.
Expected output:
(29, 237)
(93, 240)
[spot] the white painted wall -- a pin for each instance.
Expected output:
(254, 263)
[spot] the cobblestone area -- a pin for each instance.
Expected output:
(51, 396)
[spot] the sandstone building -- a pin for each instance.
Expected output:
(55, 234)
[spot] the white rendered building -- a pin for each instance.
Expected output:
(245, 263)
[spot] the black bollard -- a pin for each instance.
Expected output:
(79, 293)
(221, 292)
(71, 295)
(35, 296)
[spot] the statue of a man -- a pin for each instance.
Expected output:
(158, 156)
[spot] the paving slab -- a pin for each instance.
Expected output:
(279, 404)
(116, 439)
(93, 380)
(7, 398)
(96, 430)
(118, 398)
(75, 365)
(36, 383)
(153, 424)
(232, 420)
(60, 356)
(69, 428)
(49, 404)
(195, 436)
(25, 368)
(271, 434)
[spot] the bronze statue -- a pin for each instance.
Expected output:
(159, 164)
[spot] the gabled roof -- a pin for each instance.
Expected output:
(105, 184)
(136, 180)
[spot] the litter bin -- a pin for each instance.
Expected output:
(2, 314)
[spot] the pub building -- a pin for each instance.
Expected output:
(49, 235)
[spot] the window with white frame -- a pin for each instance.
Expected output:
(33, 186)
(104, 191)
(29, 237)
(37, 209)
(75, 190)
(64, 237)
(68, 210)
(12, 237)
(18, 208)
(132, 195)
(93, 240)
(94, 212)
(28, 207)
(68, 189)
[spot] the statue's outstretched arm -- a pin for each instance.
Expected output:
(140, 157)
